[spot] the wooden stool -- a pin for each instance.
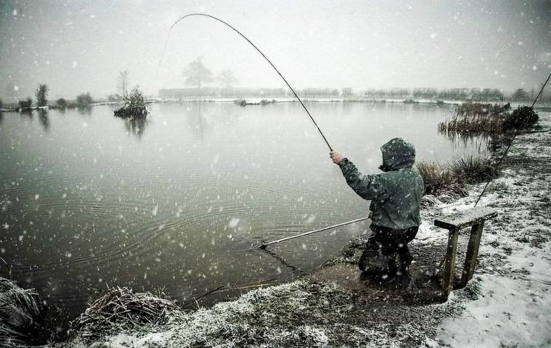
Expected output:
(454, 223)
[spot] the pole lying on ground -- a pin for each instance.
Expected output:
(265, 244)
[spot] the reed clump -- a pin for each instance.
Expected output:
(479, 117)
(121, 309)
(21, 316)
(456, 175)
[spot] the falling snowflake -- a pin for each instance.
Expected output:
(233, 223)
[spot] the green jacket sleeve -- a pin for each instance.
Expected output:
(368, 187)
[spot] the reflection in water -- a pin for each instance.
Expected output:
(85, 110)
(135, 126)
(28, 113)
(1, 117)
(480, 141)
(196, 119)
(43, 115)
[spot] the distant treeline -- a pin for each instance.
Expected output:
(222, 92)
(474, 94)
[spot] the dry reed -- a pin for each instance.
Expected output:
(121, 309)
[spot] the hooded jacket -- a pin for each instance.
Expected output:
(395, 194)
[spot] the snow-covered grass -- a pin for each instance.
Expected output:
(299, 314)
(514, 270)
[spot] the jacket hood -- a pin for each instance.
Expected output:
(397, 154)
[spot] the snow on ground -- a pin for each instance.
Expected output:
(514, 271)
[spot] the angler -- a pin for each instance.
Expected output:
(395, 197)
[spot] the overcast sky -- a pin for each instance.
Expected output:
(80, 46)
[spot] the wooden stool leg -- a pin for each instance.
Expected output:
(449, 268)
(472, 253)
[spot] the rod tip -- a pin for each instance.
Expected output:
(263, 246)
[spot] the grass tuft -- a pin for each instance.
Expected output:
(472, 170)
(437, 178)
(455, 176)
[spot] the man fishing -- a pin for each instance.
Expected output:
(395, 197)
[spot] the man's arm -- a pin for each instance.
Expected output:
(366, 186)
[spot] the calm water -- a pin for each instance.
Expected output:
(89, 200)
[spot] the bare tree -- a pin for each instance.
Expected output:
(41, 95)
(347, 92)
(227, 78)
(123, 81)
(196, 74)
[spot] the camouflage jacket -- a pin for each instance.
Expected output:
(395, 194)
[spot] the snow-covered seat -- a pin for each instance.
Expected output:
(475, 219)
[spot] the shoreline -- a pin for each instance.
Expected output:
(257, 101)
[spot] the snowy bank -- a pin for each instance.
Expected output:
(299, 314)
(514, 270)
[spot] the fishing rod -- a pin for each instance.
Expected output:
(511, 143)
(259, 51)
(265, 244)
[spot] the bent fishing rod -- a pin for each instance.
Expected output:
(265, 244)
(259, 51)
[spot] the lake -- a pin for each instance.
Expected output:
(181, 202)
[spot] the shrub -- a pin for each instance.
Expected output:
(61, 103)
(240, 102)
(134, 105)
(523, 117)
(84, 100)
(25, 104)
(266, 102)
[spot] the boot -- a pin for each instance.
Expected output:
(374, 263)
(405, 260)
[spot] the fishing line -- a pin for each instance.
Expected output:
(259, 51)
(511, 143)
